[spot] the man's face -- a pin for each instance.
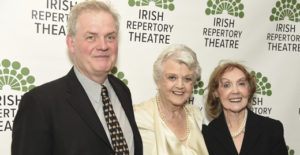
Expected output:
(95, 44)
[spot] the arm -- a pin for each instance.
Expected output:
(31, 132)
(279, 146)
(145, 125)
(207, 139)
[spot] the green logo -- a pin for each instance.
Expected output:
(262, 84)
(119, 75)
(15, 76)
(291, 151)
(286, 9)
(198, 87)
(232, 7)
(165, 4)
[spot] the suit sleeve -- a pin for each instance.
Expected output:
(31, 130)
(279, 146)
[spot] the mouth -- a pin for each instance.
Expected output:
(101, 56)
(235, 100)
(178, 92)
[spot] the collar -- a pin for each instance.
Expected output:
(92, 88)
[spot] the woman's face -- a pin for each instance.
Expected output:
(233, 90)
(176, 83)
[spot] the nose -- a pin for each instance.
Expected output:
(102, 44)
(179, 83)
(235, 89)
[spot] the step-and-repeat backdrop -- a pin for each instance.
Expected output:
(263, 35)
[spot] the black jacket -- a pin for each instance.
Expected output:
(263, 136)
(58, 118)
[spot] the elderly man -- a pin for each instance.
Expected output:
(88, 111)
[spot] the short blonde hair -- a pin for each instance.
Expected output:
(180, 53)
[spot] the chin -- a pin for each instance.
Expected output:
(103, 68)
(239, 109)
(179, 103)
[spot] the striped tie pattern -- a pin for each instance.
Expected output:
(116, 134)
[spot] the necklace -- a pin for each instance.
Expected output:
(239, 131)
(162, 116)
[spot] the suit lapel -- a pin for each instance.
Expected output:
(124, 97)
(220, 131)
(252, 133)
(125, 102)
(79, 100)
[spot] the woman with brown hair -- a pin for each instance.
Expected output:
(235, 129)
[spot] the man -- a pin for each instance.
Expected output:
(67, 116)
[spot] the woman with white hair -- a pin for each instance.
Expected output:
(167, 123)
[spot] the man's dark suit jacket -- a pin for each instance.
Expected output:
(58, 118)
(263, 136)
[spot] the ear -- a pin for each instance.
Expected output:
(70, 43)
(216, 94)
(158, 84)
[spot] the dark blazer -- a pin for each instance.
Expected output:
(58, 118)
(263, 136)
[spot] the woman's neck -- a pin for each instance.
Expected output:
(168, 110)
(234, 119)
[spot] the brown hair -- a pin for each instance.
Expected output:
(213, 106)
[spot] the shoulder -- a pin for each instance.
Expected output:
(206, 129)
(117, 84)
(269, 127)
(144, 113)
(52, 88)
(195, 112)
(271, 131)
(217, 125)
(115, 80)
(145, 107)
(266, 122)
(192, 108)
(41, 98)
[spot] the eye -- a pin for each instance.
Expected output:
(188, 79)
(111, 37)
(226, 85)
(243, 83)
(172, 78)
(90, 38)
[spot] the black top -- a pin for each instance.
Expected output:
(263, 136)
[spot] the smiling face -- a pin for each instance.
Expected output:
(95, 44)
(176, 83)
(233, 91)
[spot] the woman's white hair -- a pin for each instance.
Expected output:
(180, 53)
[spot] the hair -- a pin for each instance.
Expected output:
(213, 106)
(89, 5)
(180, 53)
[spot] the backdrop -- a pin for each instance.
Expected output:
(263, 35)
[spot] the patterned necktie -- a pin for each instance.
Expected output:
(116, 134)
